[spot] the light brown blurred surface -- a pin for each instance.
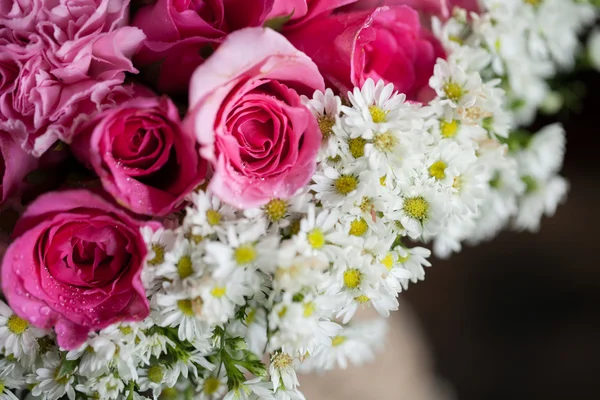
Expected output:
(402, 369)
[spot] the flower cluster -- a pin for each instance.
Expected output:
(216, 247)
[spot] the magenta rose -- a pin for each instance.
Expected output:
(301, 11)
(247, 115)
(143, 157)
(181, 34)
(15, 164)
(387, 43)
(75, 265)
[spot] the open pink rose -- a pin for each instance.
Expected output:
(143, 157)
(246, 112)
(387, 43)
(302, 11)
(75, 265)
(181, 34)
(15, 164)
(439, 8)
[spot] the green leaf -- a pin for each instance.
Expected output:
(277, 23)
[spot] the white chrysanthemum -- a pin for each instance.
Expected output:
(94, 356)
(212, 386)
(156, 377)
(544, 154)
(7, 382)
(413, 260)
(48, 382)
(283, 371)
(456, 87)
(17, 336)
(158, 242)
(182, 263)
(317, 232)
(541, 198)
(326, 107)
(177, 310)
(337, 188)
(254, 389)
(208, 214)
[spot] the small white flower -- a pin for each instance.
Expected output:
(212, 386)
(177, 310)
(456, 87)
(48, 382)
(17, 336)
(282, 371)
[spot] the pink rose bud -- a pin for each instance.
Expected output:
(181, 34)
(245, 111)
(387, 43)
(143, 157)
(75, 266)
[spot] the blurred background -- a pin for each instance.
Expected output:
(515, 318)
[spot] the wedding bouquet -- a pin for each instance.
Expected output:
(204, 192)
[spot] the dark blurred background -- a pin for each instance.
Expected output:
(518, 317)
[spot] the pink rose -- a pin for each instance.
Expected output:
(302, 11)
(247, 115)
(181, 34)
(143, 157)
(387, 43)
(15, 164)
(75, 265)
(439, 8)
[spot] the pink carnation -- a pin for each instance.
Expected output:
(75, 266)
(246, 112)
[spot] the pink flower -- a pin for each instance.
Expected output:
(302, 11)
(181, 34)
(143, 157)
(75, 265)
(246, 113)
(15, 164)
(387, 43)
(440, 8)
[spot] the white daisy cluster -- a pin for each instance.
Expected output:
(241, 300)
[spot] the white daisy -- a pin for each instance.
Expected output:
(49, 382)
(17, 336)
(456, 87)
(282, 371)
(212, 387)
(178, 311)
(208, 215)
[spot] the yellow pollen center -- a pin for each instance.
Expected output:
(213, 217)
(449, 128)
(185, 306)
(211, 385)
(309, 309)
(155, 374)
(245, 254)
(276, 209)
(366, 205)
(438, 170)
(378, 115)
(218, 291)
(457, 183)
(352, 278)
(251, 316)
(282, 360)
(385, 141)
(416, 207)
(388, 261)
(316, 238)
(326, 125)
(16, 324)
(196, 238)
(362, 299)
(338, 340)
(126, 330)
(346, 184)
(382, 180)
(357, 147)
(185, 267)
(159, 254)
(453, 91)
(358, 227)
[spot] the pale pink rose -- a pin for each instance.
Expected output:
(247, 115)
(387, 43)
(75, 266)
(15, 164)
(143, 157)
(302, 11)
(181, 34)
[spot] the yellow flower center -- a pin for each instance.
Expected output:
(366, 205)
(338, 340)
(416, 207)
(405, 258)
(352, 278)
(16, 324)
(357, 147)
(185, 306)
(282, 360)
(309, 309)
(438, 170)
(155, 374)
(453, 91)
(534, 3)
(218, 291)
(326, 125)
(126, 330)
(378, 115)
(185, 267)
(346, 184)
(388, 261)
(385, 141)
(449, 128)
(159, 254)
(211, 385)
(245, 254)
(196, 238)
(316, 238)
(251, 316)
(358, 227)
(382, 180)
(276, 209)
(213, 217)
(362, 299)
